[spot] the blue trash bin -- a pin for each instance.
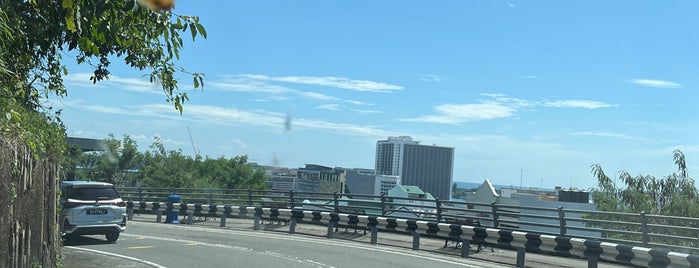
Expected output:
(174, 213)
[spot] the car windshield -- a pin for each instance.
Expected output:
(93, 193)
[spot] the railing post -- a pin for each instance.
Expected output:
(336, 203)
(416, 240)
(562, 220)
(644, 228)
(211, 196)
(494, 209)
(331, 226)
(383, 204)
(249, 197)
(291, 199)
(520, 257)
(140, 194)
(292, 224)
(438, 204)
(374, 234)
(465, 246)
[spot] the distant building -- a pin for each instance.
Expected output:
(360, 181)
(384, 183)
(365, 182)
(526, 199)
(421, 198)
(281, 179)
(428, 167)
(320, 179)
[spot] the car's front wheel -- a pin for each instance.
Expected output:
(113, 236)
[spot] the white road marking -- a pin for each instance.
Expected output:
(118, 256)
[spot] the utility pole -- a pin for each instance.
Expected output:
(520, 178)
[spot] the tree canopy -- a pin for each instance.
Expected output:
(122, 164)
(96, 32)
(674, 194)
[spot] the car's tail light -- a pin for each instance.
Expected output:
(120, 204)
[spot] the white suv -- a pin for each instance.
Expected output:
(89, 208)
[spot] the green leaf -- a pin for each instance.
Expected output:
(196, 82)
(130, 5)
(201, 30)
(70, 15)
(193, 30)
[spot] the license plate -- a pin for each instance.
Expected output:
(96, 211)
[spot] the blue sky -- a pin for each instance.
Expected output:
(546, 87)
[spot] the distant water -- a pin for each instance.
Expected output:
(467, 185)
(472, 185)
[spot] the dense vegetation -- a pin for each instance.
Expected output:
(672, 195)
(122, 164)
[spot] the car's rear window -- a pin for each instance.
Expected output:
(93, 193)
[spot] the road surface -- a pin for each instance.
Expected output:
(161, 245)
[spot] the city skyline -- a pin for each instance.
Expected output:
(546, 87)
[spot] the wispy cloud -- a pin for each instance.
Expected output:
(608, 135)
(332, 107)
(328, 81)
(359, 103)
(460, 113)
(529, 76)
(231, 117)
(587, 104)
(128, 84)
(655, 83)
(366, 111)
(497, 106)
(253, 84)
(432, 78)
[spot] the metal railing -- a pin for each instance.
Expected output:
(678, 234)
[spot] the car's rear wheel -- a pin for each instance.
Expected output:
(113, 236)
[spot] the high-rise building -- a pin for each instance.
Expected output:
(429, 167)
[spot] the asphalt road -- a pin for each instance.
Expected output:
(161, 245)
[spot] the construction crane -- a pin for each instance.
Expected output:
(196, 153)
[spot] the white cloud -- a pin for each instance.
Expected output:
(498, 106)
(529, 76)
(239, 144)
(128, 84)
(655, 83)
(366, 111)
(587, 104)
(257, 84)
(231, 117)
(332, 107)
(460, 113)
(608, 135)
(328, 81)
(432, 78)
(317, 96)
(359, 103)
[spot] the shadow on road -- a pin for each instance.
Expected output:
(83, 240)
